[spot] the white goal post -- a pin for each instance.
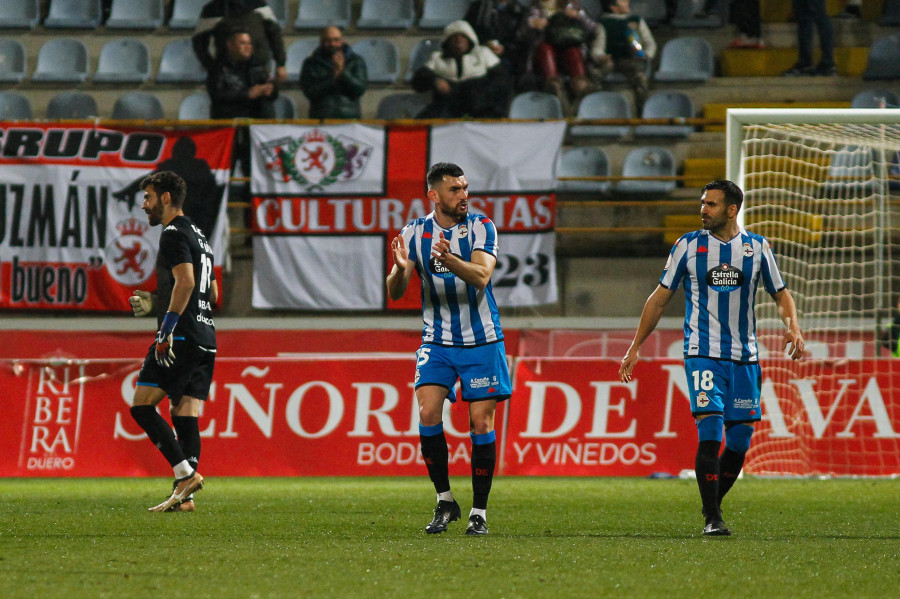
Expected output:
(823, 185)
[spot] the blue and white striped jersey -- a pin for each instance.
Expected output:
(720, 280)
(454, 312)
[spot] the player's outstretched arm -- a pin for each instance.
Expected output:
(653, 310)
(401, 273)
(793, 335)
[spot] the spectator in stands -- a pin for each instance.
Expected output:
(809, 14)
(498, 24)
(238, 84)
(624, 44)
(464, 77)
(220, 17)
(565, 31)
(334, 77)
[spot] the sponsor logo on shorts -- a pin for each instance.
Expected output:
(744, 404)
(702, 399)
(482, 382)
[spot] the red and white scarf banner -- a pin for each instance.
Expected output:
(327, 199)
(72, 232)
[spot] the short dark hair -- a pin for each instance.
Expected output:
(608, 4)
(437, 171)
(733, 193)
(164, 181)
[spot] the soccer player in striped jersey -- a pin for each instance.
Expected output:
(454, 254)
(720, 268)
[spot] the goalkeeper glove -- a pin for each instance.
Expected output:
(143, 303)
(165, 356)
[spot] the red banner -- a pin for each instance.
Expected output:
(72, 232)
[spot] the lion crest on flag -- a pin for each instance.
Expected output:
(316, 159)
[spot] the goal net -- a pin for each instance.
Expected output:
(823, 186)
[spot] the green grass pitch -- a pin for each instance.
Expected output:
(364, 537)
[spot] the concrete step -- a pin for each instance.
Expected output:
(771, 62)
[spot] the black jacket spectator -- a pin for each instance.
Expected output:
(334, 77)
(238, 85)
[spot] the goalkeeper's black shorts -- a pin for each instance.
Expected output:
(190, 375)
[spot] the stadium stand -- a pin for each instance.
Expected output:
(315, 14)
(194, 107)
(297, 52)
(279, 8)
(135, 14)
(74, 14)
(185, 13)
(437, 14)
(386, 14)
(285, 107)
(666, 105)
(14, 106)
(585, 161)
(401, 106)
(19, 14)
(419, 55)
(62, 60)
(72, 105)
(602, 105)
(884, 58)
(535, 105)
(651, 162)
(12, 61)
(382, 59)
(137, 105)
(685, 59)
(123, 61)
(179, 64)
(875, 98)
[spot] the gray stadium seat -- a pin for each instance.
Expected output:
(72, 105)
(647, 161)
(19, 14)
(284, 107)
(179, 64)
(666, 105)
(12, 61)
(61, 60)
(401, 106)
(14, 107)
(194, 107)
(535, 105)
(381, 57)
(875, 98)
(135, 14)
(296, 54)
(185, 13)
(419, 55)
(686, 59)
(653, 11)
(73, 14)
(884, 58)
(851, 172)
(123, 61)
(437, 14)
(137, 105)
(315, 14)
(279, 9)
(602, 105)
(386, 14)
(583, 162)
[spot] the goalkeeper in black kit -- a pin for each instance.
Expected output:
(180, 361)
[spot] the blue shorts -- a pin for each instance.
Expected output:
(482, 370)
(724, 387)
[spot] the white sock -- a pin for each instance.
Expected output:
(183, 469)
(445, 496)
(478, 512)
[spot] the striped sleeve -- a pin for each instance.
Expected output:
(771, 276)
(485, 234)
(676, 265)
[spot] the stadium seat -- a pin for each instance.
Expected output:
(649, 161)
(602, 105)
(315, 14)
(419, 55)
(137, 105)
(179, 64)
(850, 173)
(73, 14)
(62, 60)
(891, 15)
(653, 11)
(686, 59)
(12, 61)
(884, 58)
(279, 9)
(382, 59)
(437, 14)
(401, 106)
(583, 162)
(14, 107)
(535, 105)
(666, 105)
(123, 61)
(135, 14)
(284, 107)
(875, 98)
(19, 14)
(72, 105)
(194, 107)
(386, 14)
(686, 9)
(185, 13)
(296, 54)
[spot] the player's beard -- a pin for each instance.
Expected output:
(457, 212)
(154, 215)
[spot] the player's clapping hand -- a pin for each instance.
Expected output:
(142, 303)
(399, 252)
(441, 248)
(165, 354)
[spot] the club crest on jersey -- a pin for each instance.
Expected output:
(747, 250)
(438, 269)
(130, 257)
(724, 278)
(316, 159)
(702, 399)
(463, 230)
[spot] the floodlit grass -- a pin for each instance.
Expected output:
(550, 537)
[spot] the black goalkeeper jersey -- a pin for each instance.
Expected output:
(181, 241)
